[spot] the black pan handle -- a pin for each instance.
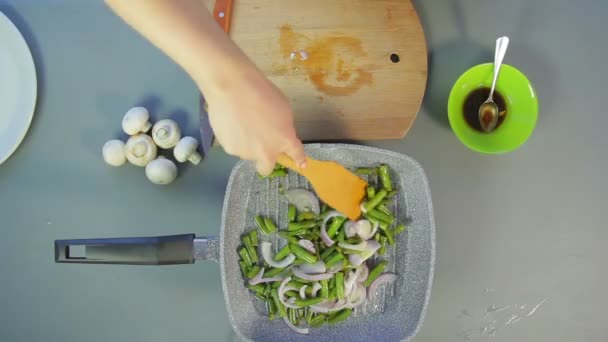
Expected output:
(159, 250)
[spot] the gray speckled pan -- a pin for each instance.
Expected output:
(395, 315)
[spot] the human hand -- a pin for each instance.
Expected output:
(253, 120)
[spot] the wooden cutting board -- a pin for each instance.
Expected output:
(352, 69)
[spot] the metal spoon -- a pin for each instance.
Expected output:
(488, 111)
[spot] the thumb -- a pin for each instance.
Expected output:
(295, 151)
(264, 165)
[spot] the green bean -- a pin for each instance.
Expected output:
(244, 267)
(307, 215)
(299, 315)
(375, 273)
(295, 283)
(365, 171)
(324, 289)
(336, 223)
(280, 307)
(391, 194)
(382, 249)
(291, 294)
(353, 240)
(301, 225)
(370, 192)
(253, 235)
(276, 284)
(301, 281)
(291, 315)
(259, 288)
(309, 301)
(326, 252)
(272, 309)
(245, 256)
(317, 321)
(255, 269)
(250, 249)
(303, 254)
(334, 259)
(400, 229)
(288, 237)
(380, 216)
(278, 166)
(384, 209)
(295, 233)
(273, 272)
(259, 221)
(339, 316)
(378, 197)
(341, 236)
(340, 285)
(390, 236)
(261, 296)
(324, 207)
(274, 174)
(291, 212)
(284, 252)
(270, 226)
(385, 177)
(309, 314)
(267, 289)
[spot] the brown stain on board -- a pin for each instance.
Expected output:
(332, 64)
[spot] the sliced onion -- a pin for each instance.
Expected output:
(316, 268)
(363, 274)
(340, 304)
(266, 248)
(349, 282)
(336, 268)
(284, 288)
(294, 328)
(258, 278)
(383, 278)
(311, 277)
(326, 239)
(307, 245)
(315, 288)
(361, 246)
(373, 232)
(350, 229)
(371, 248)
(322, 307)
(303, 291)
(365, 230)
(357, 297)
(304, 200)
(362, 206)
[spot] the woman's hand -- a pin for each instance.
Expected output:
(253, 120)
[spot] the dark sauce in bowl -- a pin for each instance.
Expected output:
(474, 100)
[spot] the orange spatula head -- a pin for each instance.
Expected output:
(333, 183)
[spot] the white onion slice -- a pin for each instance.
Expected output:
(362, 206)
(349, 282)
(357, 297)
(284, 288)
(363, 274)
(258, 279)
(266, 248)
(371, 248)
(336, 268)
(311, 277)
(294, 328)
(315, 288)
(304, 200)
(303, 291)
(307, 245)
(322, 307)
(326, 239)
(361, 246)
(316, 268)
(383, 278)
(350, 229)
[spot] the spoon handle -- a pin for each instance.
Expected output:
(499, 55)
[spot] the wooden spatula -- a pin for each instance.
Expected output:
(333, 183)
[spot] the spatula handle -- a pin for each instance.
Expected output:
(160, 250)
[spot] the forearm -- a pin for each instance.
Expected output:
(188, 34)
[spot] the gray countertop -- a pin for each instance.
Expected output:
(512, 231)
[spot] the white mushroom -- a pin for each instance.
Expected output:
(114, 152)
(140, 150)
(186, 150)
(136, 121)
(166, 133)
(161, 171)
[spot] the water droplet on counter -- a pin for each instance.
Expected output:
(511, 319)
(536, 307)
(49, 222)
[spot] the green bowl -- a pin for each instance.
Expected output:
(521, 103)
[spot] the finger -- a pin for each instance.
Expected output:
(295, 150)
(264, 165)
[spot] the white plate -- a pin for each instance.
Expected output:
(17, 88)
